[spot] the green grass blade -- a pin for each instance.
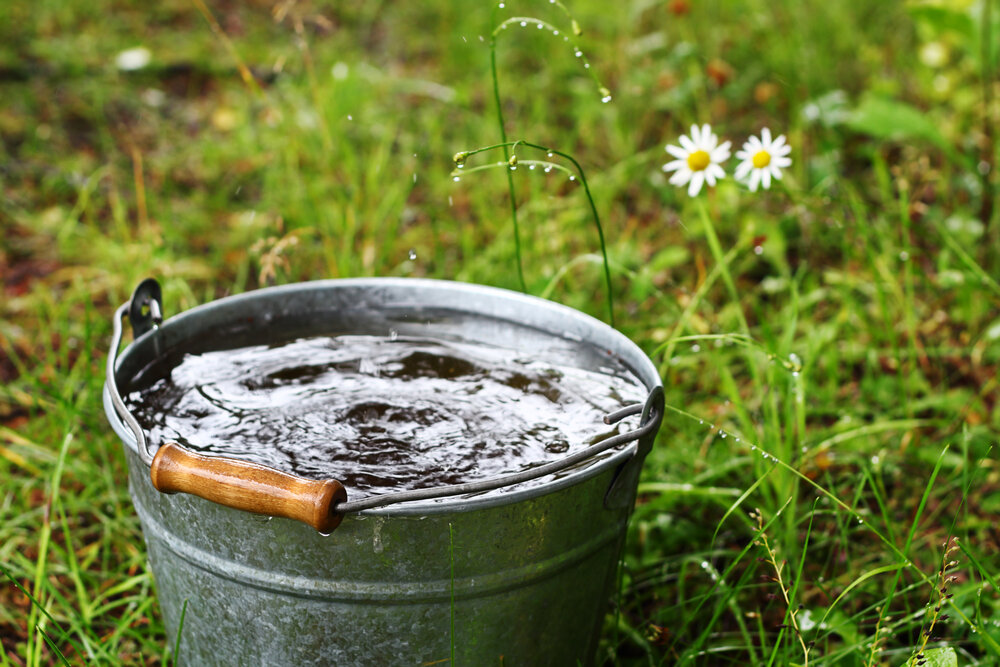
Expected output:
(180, 630)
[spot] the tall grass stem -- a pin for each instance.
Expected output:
(506, 145)
(506, 153)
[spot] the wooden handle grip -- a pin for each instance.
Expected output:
(247, 486)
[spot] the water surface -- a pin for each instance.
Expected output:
(379, 413)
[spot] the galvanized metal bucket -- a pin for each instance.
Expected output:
(499, 572)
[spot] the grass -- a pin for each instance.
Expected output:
(829, 348)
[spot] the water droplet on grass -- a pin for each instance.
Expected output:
(572, 178)
(606, 99)
(456, 179)
(524, 23)
(501, 5)
(412, 254)
(758, 250)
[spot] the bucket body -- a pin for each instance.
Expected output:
(517, 576)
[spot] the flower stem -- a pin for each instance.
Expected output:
(727, 278)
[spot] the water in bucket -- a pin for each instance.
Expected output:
(380, 413)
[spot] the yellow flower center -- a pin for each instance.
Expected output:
(761, 159)
(698, 161)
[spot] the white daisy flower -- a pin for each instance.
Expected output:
(698, 159)
(763, 158)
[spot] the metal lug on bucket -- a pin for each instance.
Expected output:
(145, 308)
(626, 479)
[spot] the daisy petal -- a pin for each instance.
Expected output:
(716, 171)
(681, 177)
(742, 169)
(674, 165)
(721, 153)
(782, 162)
(754, 180)
(677, 152)
(765, 175)
(779, 142)
(743, 155)
(687, 144)
(765, 136)
(696, 181)
(775, 172)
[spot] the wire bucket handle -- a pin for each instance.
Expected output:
(322, 504)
